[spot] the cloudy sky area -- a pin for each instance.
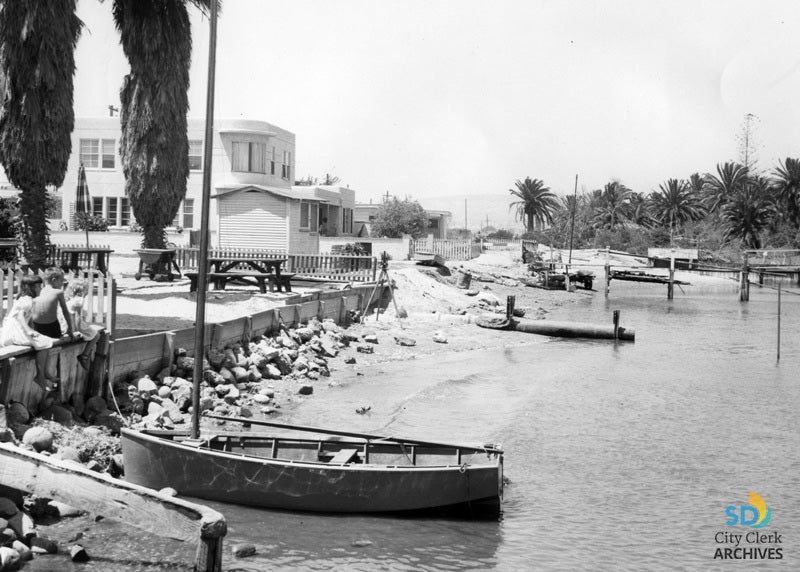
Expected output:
(447, 100)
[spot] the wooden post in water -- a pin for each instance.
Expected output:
(616, 324)
(608, 270)
(671, 283)
(744, 282)
(779, 324)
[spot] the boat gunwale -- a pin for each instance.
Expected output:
(494, 458)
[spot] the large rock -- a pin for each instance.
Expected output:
(9, 558)
(145, 384)
(7, 508)
(305, 390)
(403, 341)
(240, 374)
(243, 550)
(39, 438)
(365, 349)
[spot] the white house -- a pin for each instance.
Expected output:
(254, 203)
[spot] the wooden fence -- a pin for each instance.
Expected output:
(448, 249)
(101, 294)
(337, 268)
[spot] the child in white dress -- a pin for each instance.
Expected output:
(17, 330)
(75, 294)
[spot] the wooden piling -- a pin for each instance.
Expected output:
(616, 324)
(608, 270)
(671, 283)
(744, 281)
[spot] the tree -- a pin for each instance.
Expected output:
(730, 178)
(536, 203)
(787, 186)
(675, 204)
(156, 38)
(37, 61)
(310, 181)
(639, 211)
(748, 213)
(612, 205)
(748, 142)
(396, 218)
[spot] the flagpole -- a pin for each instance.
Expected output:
(202, 262)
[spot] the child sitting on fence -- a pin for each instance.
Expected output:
(75, 294)
(17, 329)
(45, 307)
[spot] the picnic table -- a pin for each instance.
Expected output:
(261, 272)
(71, 258)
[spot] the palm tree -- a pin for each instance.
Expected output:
(748, 213)
(537, 203)
(156, 38)
(37, 61)
(787, 186)
(676, 204)
(640, 210)
(730, 178)
(613, 205)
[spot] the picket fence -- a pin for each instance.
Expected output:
(101, 294)
(338, 268)
(449, 249)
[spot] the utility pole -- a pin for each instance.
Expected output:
(572, 224)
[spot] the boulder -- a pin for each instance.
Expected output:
(68, 453)
(25, 553)
(43, 545)
(9, 558)
(403, 341)
(146, 384)
(305, 390)
(365, 349)
(243, 549)
(371, 338)
(77, 553)
(439, 338)
(240, 374)
(64, 510)
(261, 399)
(39, 438)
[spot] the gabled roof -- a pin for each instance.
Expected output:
(224, 190)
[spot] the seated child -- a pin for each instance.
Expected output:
(76, 290)
(46, 305)
(17, 329)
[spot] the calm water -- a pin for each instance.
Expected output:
(620, 457)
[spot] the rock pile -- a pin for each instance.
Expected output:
(241, 378)
(20, 540)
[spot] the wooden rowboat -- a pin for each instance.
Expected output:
(327, 474)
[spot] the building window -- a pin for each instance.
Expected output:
(286, 169)
(249, 157)
(89, 153)
(97, 206)
(111, 210)
(108, 153)
(97, 153)
(195, 155)
(309, 216)
(272, 161)
(125, 211)
(188, 213)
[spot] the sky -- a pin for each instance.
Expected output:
(450, 102)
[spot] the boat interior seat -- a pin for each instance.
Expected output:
(343, 456)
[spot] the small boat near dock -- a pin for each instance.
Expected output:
(340, 472)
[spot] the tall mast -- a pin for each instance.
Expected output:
(202, 262)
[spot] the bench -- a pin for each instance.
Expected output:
(220, 279)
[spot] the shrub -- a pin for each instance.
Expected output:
(84, 221)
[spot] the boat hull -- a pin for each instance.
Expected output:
(230, 477)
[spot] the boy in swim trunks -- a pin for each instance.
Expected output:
(47, 303)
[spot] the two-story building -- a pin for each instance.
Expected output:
(253, 201)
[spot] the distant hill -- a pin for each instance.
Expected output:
(479, 207)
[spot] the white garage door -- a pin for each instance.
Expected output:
(253, 219)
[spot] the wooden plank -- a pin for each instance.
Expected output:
(139, 348)
(71, 483)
